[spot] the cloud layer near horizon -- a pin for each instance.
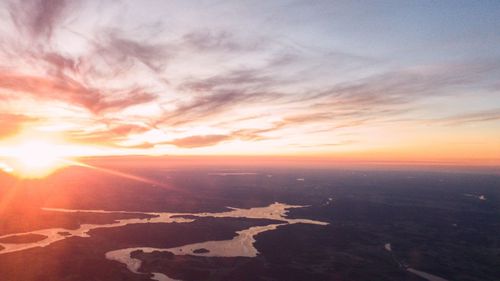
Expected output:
(245, 77)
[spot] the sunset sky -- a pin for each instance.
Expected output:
(392, 80)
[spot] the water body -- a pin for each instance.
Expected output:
(480, 196)
(242, 245)
(425, 275)
(53, 235)
(328, 202)
(162, 277)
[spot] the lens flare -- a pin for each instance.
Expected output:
(36, 159)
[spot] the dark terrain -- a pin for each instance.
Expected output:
(435, 222)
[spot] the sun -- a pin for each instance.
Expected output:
(36, 159)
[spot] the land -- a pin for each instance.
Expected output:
(22, 238)
(427, 216)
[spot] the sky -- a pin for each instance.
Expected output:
(372, 80)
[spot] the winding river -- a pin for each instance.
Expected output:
(242, 245)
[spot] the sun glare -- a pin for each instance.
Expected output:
(36, 159)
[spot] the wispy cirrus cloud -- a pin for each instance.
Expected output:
(120, 52)
(219, 41)
(404, 86)
(202, 107)
(75, 78)
(471, 117)
(155, 78)
(109, 135)
(73, 92)
(38, 18)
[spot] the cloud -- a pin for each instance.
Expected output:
(242, 78)
(145, 145)
(110, 135)
(253, 86)
(58, 64)
(199, 141)
(320, 145)
(351, 103)
(213, 104)
(203, 40)
(37, 18)
(10, 124)
(466, 118)
(218, 94)
(289, 121)
(406, 85)
(73, 92)
(249, 134)
(118, 50)
(96, 78)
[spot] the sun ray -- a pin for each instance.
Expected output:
(116, 173)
